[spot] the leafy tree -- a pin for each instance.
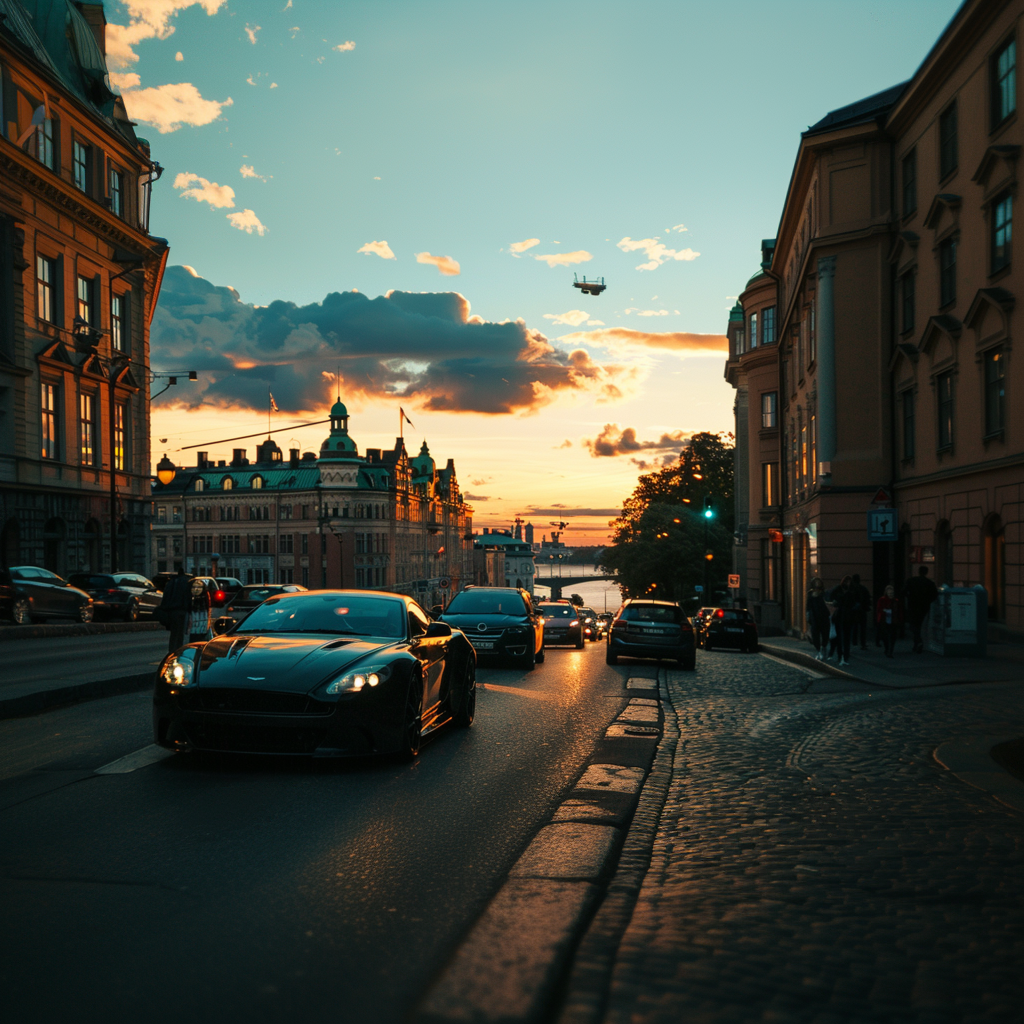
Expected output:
(659, 539)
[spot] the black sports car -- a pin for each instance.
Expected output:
(331, 673)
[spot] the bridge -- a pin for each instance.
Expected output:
(560, 583)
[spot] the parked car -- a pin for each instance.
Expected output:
(336, 673)
(13, 605)
(651, 629)
(49, 596)
(561, 623)
(729, 627)
(246, 598)
(121, 595)
(500, 621)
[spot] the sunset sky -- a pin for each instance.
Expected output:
(401, 192)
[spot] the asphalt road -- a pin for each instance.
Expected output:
(270, 889)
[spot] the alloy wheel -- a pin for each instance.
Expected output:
(21, 612)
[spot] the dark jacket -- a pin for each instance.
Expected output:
(919, 594)
(847, 604)
(177, 599)
(817, 610)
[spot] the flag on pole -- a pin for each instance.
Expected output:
(401, 412)
(273, 404)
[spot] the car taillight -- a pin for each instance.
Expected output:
(218, 598)
(113, 590)
(720, 614)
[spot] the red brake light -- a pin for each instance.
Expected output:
(112, 590)
(218, 598)
(720, 614)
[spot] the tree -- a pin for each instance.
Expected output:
(659, 544)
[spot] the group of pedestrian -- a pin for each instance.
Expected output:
(186, 610)
(838, 618)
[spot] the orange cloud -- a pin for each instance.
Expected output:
(445, 264)
(677, 341)
(168, 107)
(565, 259)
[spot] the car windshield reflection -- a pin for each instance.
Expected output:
(334, 614)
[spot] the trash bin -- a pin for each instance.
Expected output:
(959, 622)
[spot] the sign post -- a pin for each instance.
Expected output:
(734, 581)
(882, 524)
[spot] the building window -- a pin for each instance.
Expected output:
(230, 512)
(119, 322)
(87, 429)
(285, 512)
(305, 576)
(768, 326)
(120, 436)
(947, 272)
(200, 484)
(771, 570)
(741, 341)
(46, 288)
(304, 547)
(1002, 231)
(909, 424)
(176, 514)
(50, 402)
(230, 544)
(161, 513)
(944, 388)
(259, 511)
(770, 410)
(45, 137)
(80, 161)
(910, 183)
(257, 483)
(161, 547)
(907, 297)
(814, 449)
(116, 192)
(770, 483)
(752, 335)
(948, 147)
(201, 514)
(1004, 82)
(86, 299)
(259, 545)
(995, 392)
(305, 512)
(285, 576)
(227, 484)
(286, 544)
(812, 338)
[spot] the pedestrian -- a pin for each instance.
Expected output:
(174, 608)
(889, 618)
(863, 607)
(844, 601)
(199, 621)
(918, 596)
(818, 619)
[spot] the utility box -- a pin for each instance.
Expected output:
(959, 622)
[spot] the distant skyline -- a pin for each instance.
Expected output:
(481, 154)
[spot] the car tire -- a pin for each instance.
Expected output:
(609, 658)
(85, 613)
(412, 721)
(131, 613)
(21, 611)
(579, 644)
(541, 654)
(462, 716)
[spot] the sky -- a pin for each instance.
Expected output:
(389, 201)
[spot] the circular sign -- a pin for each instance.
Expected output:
(445, 583)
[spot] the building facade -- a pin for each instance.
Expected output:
(894, 284)
(79, 279)
(381, 520)
(517, 558)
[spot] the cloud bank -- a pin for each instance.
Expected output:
(247, 221)
(203, 191)
(167, 107)
(147, 19)
(565, 259)
(517, 247)
(381, 249)
(425, 349)
(445, 264)
(613, 442)
(655, 251)
(676, 341)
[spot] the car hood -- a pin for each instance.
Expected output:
(286, 664)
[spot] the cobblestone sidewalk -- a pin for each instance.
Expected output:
(814, 863)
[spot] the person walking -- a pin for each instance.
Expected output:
(844, 601)
(199, 617)
(889, 618)
(918, 595)
(818, 618)
(863, 606)
(174, 608)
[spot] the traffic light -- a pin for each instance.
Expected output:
(709, 512)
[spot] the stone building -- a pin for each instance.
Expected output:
(381, 520)
(894, 287)
(518, 560)
(79, 279)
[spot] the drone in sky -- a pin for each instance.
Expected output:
(594, 287)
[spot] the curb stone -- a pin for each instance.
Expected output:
(48, 700)
(512, 963)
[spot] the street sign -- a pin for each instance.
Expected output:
(445, 583)
(882, 497)
(882, 524)
(734, 581)
(699, 589)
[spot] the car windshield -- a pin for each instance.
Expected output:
(257, 593)
(651, 613)
(343, 614)
(558, 611)
(87, 582)
(486, 602)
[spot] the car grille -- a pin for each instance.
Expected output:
(255, 740)
(491, 636)
(256, 702)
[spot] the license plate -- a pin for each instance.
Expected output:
(655, 632)
(734, 629)
(484, 645)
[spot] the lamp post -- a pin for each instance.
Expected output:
(709, 514)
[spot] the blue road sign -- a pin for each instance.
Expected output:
(699, 589)
(882, 524)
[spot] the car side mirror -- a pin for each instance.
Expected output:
(222, 625)
(436, 611)
(438, 629)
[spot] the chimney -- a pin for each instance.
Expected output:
(293, 457)
(238, 457)
(221, 464)
(202, 460)
(97, 21)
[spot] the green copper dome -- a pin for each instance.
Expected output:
(338, 409)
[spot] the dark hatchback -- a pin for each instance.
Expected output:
(49, 596)
(243, 601)
(652, 629)
(562, 624)
(729, 627)
(121, 595)
(499, 621)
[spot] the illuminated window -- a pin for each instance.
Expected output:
(46, 288)
(120, 436)
(50, 402)
(87, 429)
(769, 410)
(227, 484)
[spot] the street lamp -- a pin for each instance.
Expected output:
(166, 470)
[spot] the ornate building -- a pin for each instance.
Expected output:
(380, 520)
(889, 368)
(79, 279)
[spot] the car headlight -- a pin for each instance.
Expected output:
(358, 679)
(575, 622)
(179, 672)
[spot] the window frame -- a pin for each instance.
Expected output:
(46, 140)
(997, 92)
(768, 325)
(121, 421)
(49, 420)
(947, 270)
(81, 165)
(48, 292)
(120, 321)
(115, 190)
(88, 301)
(772, 412)
(1000, 261)
(88, 428)
(752, 336)
(769, 484)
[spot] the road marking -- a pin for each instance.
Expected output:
(790, 664)
(539, 695)
(132, 762)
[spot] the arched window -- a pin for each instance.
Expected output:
(227, 484)
(257, 483)
(995, 567)
(200, 484)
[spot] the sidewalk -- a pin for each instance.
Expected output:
(905, 670)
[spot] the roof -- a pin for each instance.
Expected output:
(501, 540)
(302, 478)
(871, 108)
